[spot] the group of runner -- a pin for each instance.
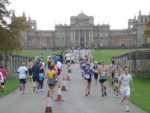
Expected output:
(91, 69)
(38, 70)
(121, 78)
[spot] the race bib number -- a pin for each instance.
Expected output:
(87, 76)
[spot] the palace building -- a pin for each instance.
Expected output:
(83, 33)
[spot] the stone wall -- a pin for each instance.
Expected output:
(138, 61)
(11, 62)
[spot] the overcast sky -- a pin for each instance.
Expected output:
(47, 13)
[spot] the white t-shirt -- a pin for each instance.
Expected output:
(1, 78)
(125, 80)
(48, 57)
(59, 64)
(68, 56)
(22, 72)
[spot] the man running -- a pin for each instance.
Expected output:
(125, 82)
(36, 70)
(29, 66)
(112, 68)
(95, 69)
(117, 73)
(41, 76)
(22, 70)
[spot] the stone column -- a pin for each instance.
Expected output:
(74, 38)
(71, 38)
(92, 38)
(89, 39)
(79, 38)
(85, 38)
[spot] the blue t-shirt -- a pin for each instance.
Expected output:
(36, 69)
(41, 76)
(88, 73)
(56, 58)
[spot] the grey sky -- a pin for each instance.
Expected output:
(47, 13)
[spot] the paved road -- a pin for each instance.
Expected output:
(74, 99)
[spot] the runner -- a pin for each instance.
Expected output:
(59, 64)
(86, 57)
(51, 75)
(103, 79)
(1, 81)
(83, 67)
(88, 73)
(68, 58)
(4, 73)
(23, 71)
(125, 82)
(49, 61)
(41, 76)
(117, 73)
(35, 70)
(56, 57)
(29, 66)
(95, 69)
(112, 67)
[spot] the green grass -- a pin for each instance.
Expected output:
(11, 85)
(32, 53)
(105, 55)
(141, 96)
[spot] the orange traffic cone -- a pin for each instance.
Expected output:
(63, 88)
(59, 95)
(49, 106)
(68, 77)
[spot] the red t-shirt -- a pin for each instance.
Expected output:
(4, 72)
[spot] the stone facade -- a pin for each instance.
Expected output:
(83, 33)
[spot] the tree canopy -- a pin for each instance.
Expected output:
(10, 33)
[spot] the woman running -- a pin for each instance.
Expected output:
(88, 78)
(41, 77)
(51, 75)
(103, 79)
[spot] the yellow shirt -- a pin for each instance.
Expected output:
(51, 74)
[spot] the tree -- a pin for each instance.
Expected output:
(10, 33)
(4, 13)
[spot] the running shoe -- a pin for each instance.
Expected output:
(117, 96)
(127, 109)
(86, 95)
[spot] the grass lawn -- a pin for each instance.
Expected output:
(11, 85)
(32, 53)
(141, 96)
(105, 55)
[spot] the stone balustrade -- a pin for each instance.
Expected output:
(11, 61)
(137, 61)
